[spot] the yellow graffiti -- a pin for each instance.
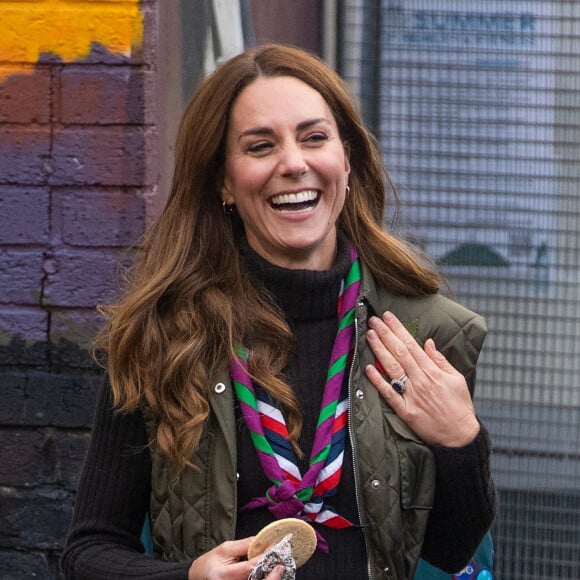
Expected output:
(66, 29)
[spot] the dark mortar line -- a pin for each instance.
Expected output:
(55, 76)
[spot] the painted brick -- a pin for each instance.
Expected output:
(100, 53)
(35, 457)
(71, 450)
(100, 1)
(36, 518)
(99, 218)
(24, 215)
(71, 334)
(89, 2)
(103, 156)
(21, 276)
(27, 457)
(25, 96)
(63, 63)
(23, 155)
(101, 95)
(148, 51)
(41, 399)
(68, 31)
(23, 338)
(19, 353)
(75, 326)
(82, 278)
(66, 355)
(30, 324)
(17, 566)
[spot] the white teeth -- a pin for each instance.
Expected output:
(300, 197)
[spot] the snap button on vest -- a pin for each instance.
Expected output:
(219, 388)
(359, 394)
(375, 484)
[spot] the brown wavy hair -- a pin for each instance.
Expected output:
(190, 300)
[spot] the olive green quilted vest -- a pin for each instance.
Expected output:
(394, 470)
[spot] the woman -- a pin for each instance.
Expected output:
(276, 210)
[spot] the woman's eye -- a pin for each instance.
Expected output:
(316, 137)
(261, 147)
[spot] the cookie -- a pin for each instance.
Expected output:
(303, 539)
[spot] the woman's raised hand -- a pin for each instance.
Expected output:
(435, 401)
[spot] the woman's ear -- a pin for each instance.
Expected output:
(226, 194)
(346, 147)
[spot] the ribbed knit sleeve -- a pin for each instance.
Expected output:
(465, 503)
(112, 502)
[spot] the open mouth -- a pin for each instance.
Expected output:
(295, 202)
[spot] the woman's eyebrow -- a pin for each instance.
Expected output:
(256, 131)
(311, 122)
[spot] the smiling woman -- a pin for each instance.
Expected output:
(249, 360)
(286, 172)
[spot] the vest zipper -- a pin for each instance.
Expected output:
(360, 304)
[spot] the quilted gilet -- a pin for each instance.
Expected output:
(394, 470)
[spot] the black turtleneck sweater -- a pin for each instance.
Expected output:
(309, 300)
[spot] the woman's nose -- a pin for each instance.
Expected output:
(292, 160)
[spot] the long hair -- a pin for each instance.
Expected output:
(190, 301)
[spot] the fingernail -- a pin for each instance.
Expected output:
(434, 349)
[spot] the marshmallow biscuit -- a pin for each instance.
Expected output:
(303, 539)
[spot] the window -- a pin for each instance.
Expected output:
(476, 105)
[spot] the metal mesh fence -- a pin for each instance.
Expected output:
(476, 104)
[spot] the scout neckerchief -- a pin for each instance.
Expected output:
(292, 494)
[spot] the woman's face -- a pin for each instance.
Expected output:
(286, 170)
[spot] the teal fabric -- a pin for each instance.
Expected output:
(480, 567)
(146, 537)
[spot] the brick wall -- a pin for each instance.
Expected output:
(83, 157)
(78, 138)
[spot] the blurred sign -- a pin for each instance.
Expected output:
(468, 131)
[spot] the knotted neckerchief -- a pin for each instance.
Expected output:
(294, 495)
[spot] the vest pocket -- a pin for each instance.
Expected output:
(417, 466)
(417, 480)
